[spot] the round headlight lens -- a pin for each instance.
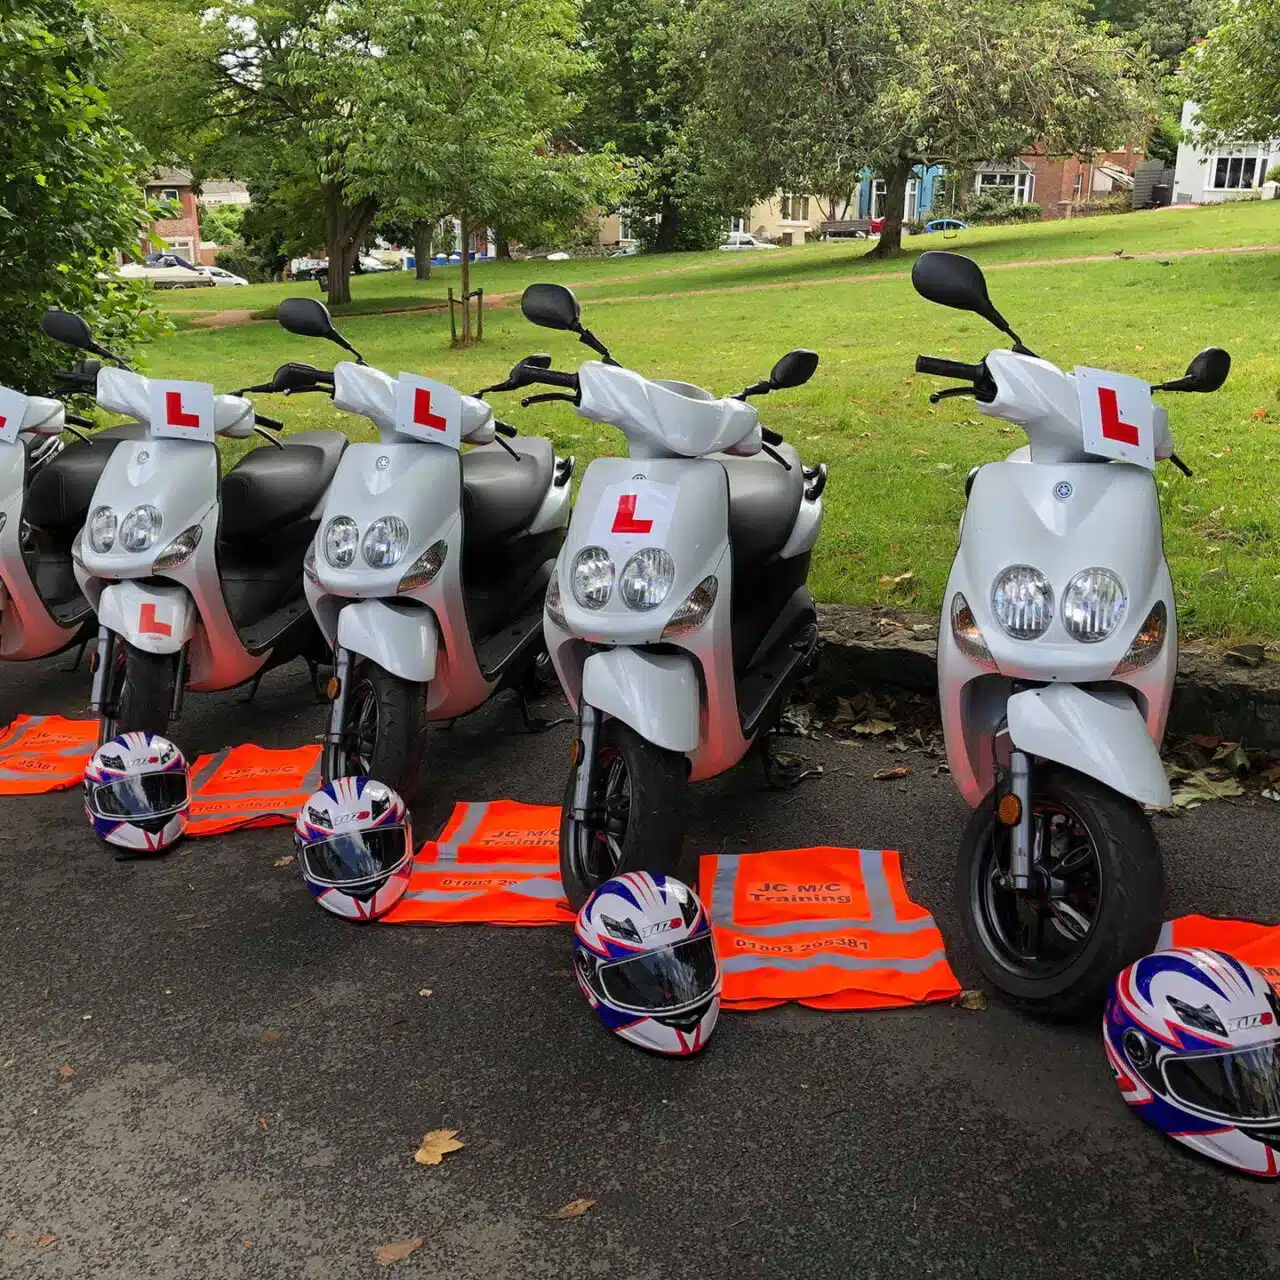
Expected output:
(340, 539)
(1093, 605)
(1022, 601)
(646, 578)
(102, 529)
(385, 542)
(592, 577)
(140, 529)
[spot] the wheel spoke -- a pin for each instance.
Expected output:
(1076, 923)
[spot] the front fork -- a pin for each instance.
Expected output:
(1020, 832)
(102, 665)
(585, 764)
(338, 704)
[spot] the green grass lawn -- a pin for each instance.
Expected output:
(897, 464)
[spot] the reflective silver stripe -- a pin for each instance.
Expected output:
(445, 895)
(19, 731)
(833, 960)
(448, 849)
(539, 887)
(1165, 940)
(200, 776)
(875, 883)
(489, 868)
(22, 775)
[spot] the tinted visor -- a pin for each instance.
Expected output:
(356, 857)
(662, 981)
(149, 796)
(1243, 1086)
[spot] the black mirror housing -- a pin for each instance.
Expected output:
(296, 377)
(952, 280)
(69, 329)
(1208, 371)
(552, 306)
(794, 369)
(307, 317)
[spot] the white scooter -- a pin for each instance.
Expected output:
(678, 618)
(1056, 659)
(45, 492)
(196, 580)
(429, 566)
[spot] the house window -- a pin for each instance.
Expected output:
(877, 197)
(911, 206)
(624, 225)
(737, 223)
(1022, 181)
(1078, 185)
(1237, 170)
(169, 194)
(794, 208)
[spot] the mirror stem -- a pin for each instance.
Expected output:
(587, 338)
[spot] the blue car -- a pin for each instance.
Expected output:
(946, 224)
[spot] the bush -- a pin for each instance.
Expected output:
(1113, 202)
(1273, 174)
(996, 205)
(240, 260)
(913, 227)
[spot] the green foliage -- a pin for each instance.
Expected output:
(69, 197)
(239, 259)
(996, 205)
(1232, 75)
(1113, 202)
(1166, 29)
(1273, 174)
(221, 223)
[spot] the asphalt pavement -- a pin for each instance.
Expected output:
(204, 1075)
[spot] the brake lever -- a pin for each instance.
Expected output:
(1178, 462)
(546, 397)
(776, 456)
(266, 435)
(952, 391)
(503, 428)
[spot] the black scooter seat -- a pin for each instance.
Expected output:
(764, 500)
(62, 490)
(271, 488)
(502, 494)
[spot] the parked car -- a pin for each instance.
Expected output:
(221, 277)
(369, 264)
(163, 258)
(946, 224)
(742, 240)
(173, 277)
(307, 268)
(558, 256)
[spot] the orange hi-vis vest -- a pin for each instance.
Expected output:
(44, 753)
(250, 787)
(494, 863)
(829, 928)
(1255, 944)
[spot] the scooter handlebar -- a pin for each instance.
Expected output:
(940, 368)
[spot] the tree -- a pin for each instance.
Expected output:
(69, 195)
(893, 84)
(221, 223)
(1164, 28)
(1233, 80)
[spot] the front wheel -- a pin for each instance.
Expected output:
(145, 684)
(1094, 905)
(383, 730)
(635, 820)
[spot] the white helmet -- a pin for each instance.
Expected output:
(645, 960)
(355, 847)
(137, 792)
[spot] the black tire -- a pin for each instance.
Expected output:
(146, 695)
(1116, 874)
(645, 787)
(384, 731)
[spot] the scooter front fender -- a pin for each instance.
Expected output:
(656, 694)
(402, 639)
(153, 618)
(1098, 733)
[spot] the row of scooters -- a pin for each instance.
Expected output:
(671, 601)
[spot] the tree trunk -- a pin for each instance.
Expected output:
(424, 232)
(895, 199)
(668, 226)
(504, 246)
(464, 228)
(346, 226)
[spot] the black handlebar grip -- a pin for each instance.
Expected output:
(263, 421)
(948, 368)
(770, 437)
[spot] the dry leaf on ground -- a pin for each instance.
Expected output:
(574, 1209)
(426, 991)
(66, 1072)
(385, 1254)
(436, 1145)
(1198, 787)
(283, 862)
(874, 725)
(883, 775)
(270, 1037)
(46, 1240)
(1246, 655)
(972, 999)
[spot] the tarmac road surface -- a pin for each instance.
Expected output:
(252, 1077)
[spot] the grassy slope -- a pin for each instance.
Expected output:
(897, 463)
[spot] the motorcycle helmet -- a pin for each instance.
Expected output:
(1193, 1038)
(355, 847)
(137, 793)
(645, 960)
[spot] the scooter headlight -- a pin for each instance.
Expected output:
(340, 540)
(1147, 644)
(140, 529)
(1022, 601)
(695, 610)
(385, 542)
(592, 577)
(967, 634)
(646, 578)
(1093, 605)
(102, 529)
(553, 604)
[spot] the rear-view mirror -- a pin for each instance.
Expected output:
(1208, 371)
(552, 306)
(297, 377)
(69, 329)
(794, 369)
(307, 317)
(952, 280)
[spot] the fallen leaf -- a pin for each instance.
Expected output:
(66, 1072)
(1198, 787)
(1246, 655)
(1270, 793)
(874, 725)
(283, 862)
(426, 991)
(1219, 572)
(270, 1037)
(262, 1120)
(883, 775)
(1231, 755)
(1260, 413)
(436, 1145)
(786, 769)
(574, 1209)
(894, 581)
(385, 1254)
(972, 999)
(47, 1240)
(1207, 740)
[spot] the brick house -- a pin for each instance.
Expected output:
(181, 234)
(1058, 184)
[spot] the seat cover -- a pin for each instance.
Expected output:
(61, 491)
(764, 500)
(502, 494)
(270, 488)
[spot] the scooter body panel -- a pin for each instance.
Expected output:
(656, 694)
(399, 638)
(151, 617)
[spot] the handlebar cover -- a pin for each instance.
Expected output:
(948, 368)
(770, 437)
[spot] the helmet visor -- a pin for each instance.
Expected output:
(148, 795)
(1242, 1086)
(356, 857)
(662, 981)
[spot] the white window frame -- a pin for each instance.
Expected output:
(789, 204)
(1023, 182)
(1252, 164)
(738, 222)
(911, 203)
(624, 226)
(170, 195)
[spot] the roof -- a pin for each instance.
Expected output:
(169, 178)
(222, 187)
